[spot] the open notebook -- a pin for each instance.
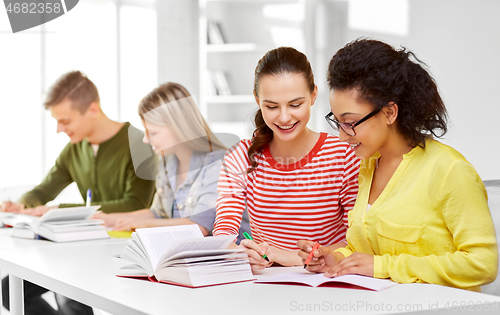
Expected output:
(319, 280)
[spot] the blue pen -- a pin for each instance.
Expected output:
(89, 197)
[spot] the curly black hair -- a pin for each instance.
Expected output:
(382, 74)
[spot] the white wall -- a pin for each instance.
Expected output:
(460, 42)
(458, 39)
(124, 69)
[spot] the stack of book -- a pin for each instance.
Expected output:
(181, 255)
(59, 225)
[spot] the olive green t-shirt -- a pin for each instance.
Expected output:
(110, 175)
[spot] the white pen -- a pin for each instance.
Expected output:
(89, 197)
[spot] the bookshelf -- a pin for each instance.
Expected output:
(233, 36)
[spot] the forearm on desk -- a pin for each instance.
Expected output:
(43, 193)
(111, 206)
(337, 245)
(286, 258)
(138, 214)
(56, 180)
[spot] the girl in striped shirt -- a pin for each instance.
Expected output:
(294, 182)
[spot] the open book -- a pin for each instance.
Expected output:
(317, 279)
(181, 255)
(59, 225)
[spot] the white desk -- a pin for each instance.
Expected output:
(85, 271)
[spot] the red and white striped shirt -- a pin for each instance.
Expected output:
(286, 203)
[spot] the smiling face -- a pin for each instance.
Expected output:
(285, 101)
(76, 125)
(161, 138)
(371, 135)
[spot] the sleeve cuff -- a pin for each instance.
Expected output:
(205, 219)
(29, 202)
(344, 251)
(380, 267)
(71, 205)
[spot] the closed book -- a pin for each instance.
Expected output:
(81, 235)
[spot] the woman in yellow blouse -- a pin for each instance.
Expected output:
(421, 214)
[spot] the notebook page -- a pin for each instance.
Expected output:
(315, 280)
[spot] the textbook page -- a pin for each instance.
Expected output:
(59, 216)
(156, 241)
(210, 245)
(67, 214)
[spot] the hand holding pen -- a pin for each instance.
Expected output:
(322, 258)
(249, 237)
(310, 256)
(256, 252)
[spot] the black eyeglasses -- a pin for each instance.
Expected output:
(347, 127)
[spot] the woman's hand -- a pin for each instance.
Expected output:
(357, 263)
(324, 258)
(110, 219)
(255, 252)
(9, 206)
(285, 258)
(38, 211)
(128, 224)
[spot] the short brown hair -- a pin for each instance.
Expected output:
(73, 86)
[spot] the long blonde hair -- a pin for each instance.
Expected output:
(171, 105)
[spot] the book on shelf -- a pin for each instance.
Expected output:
(211, 87)
(214, 33)
(319, 280)
(180, 255)
(219, 81)
(59, 225)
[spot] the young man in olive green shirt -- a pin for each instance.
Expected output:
(98, 157)
(110, 175)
